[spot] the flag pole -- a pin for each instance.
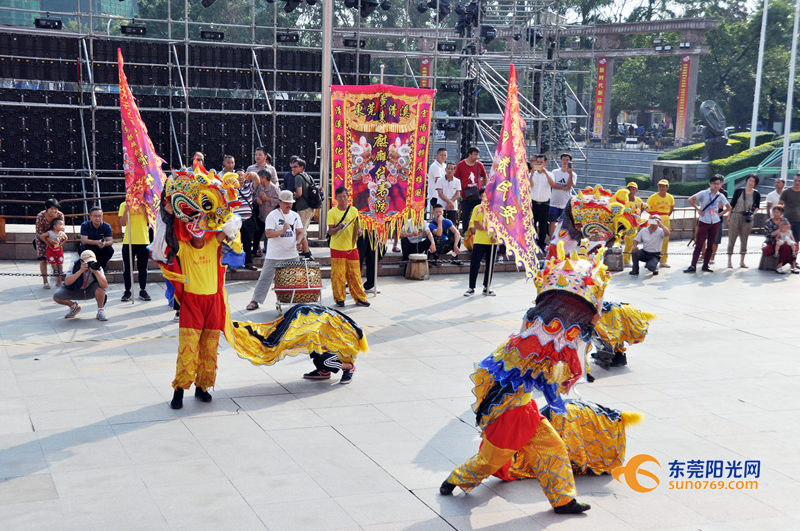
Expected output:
(377, 245)
(490, 265)
(130, 249)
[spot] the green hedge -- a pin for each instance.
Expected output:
(688, 188)
(693, 152)
(737, 146)
(642, 180)
(762, 137)
(749, 157)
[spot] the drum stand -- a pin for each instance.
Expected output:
(308, 287)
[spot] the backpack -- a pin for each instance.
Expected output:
(311, 192)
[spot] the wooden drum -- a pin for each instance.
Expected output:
(417, 268)
(297, 282)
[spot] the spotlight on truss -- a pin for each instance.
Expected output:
(422, 7)
(367, 7)
(488, 33)
(291, 5)
(386, 5)
(207, 3)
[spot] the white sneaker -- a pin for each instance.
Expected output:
(101, 315)
(488, 293)
(73, 311)
(469, 293)
(664, 265)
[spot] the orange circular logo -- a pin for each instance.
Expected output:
(631, 472)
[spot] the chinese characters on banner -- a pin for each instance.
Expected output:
(379, 147)
(507, 200)
(144, 178)
(424, 72)
(683, 96)
(600, 97)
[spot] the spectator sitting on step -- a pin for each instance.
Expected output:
(783, 241)
(96, 236)
(772, 228)
(86, 282)
(416, 239)
(650, 238)
(446, 237)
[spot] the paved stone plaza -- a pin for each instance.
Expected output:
(87, 440)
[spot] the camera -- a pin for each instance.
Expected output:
(748, 216)
(94, 265)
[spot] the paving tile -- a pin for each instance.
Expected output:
(384, 507)
(320, 514)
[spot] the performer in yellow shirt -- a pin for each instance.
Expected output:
(345, 265)
(638, 206)
(662, 204)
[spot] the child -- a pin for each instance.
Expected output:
(55, 253)
(786, 239)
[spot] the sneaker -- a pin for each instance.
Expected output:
(126, 296)
(347, 375)
(690, 269)
(177, 399)
(362, 303)
(340, 304)
(488, 293)
(711, 262)
(144, 295)
(318, 375)
(655, 272)
(101, 315)
(73, 311)
(707, 269)
(469, 293)
(204, 396)
(780, 271)
(177, 316)
(626, 266)
(795, 271)
(572, 507)
(619, 360)
(664, 265)
(46, 285)
(447, 488)
(251, 267)
(633, 273)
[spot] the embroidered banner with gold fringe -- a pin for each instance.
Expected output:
(379, 150)
(507, 199)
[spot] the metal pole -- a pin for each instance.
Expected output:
(325, 126)
(754, 121)
(377, 244)
(130, 248)
(787, 128)
(490, 265)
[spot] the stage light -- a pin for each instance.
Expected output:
(352, 4)
(460, 9)
(658, 48)
(533, 36)
(311, 2)
(389, 46)
(444, 7)
(451, 87)
(212, 35)
(207, 3)
(422, 7)
(353, 43)
(488, 33)
(48, 23)
(367, 7)
(386, 5)
(288, 37)
(667, 47)
(291, 5)
(133, 30)
(448, 47)
(517, 36)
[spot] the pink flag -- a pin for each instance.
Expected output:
(144, 178)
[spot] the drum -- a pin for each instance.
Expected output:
(417, 268)
(303, 279)
(613, 258)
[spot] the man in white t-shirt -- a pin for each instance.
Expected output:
(540, 198)
(448, 189)
(285, 234)
(647, 245)
(436, 172)
(774, 197)
(561, 185)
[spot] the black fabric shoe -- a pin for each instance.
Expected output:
(144, 295)
(655, 272)
(690, 269)
(204, 396)
(707, 269)
(590, 378)
(619, 360)
(572, 507)
(177, 399)
(126, 296)
(340, 304)
(447, 488)
(633, 273)
(362, 303)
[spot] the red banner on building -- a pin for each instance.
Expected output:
(600, 97)
(424, 72)
(379, 145)
(683, 97)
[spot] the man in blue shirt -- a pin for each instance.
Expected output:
(445, 235)
(96, 237)
(711, 205)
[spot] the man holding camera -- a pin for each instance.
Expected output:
(650, 238)
(86, 282)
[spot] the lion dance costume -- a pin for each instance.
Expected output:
(547, 355)
(200, 206)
